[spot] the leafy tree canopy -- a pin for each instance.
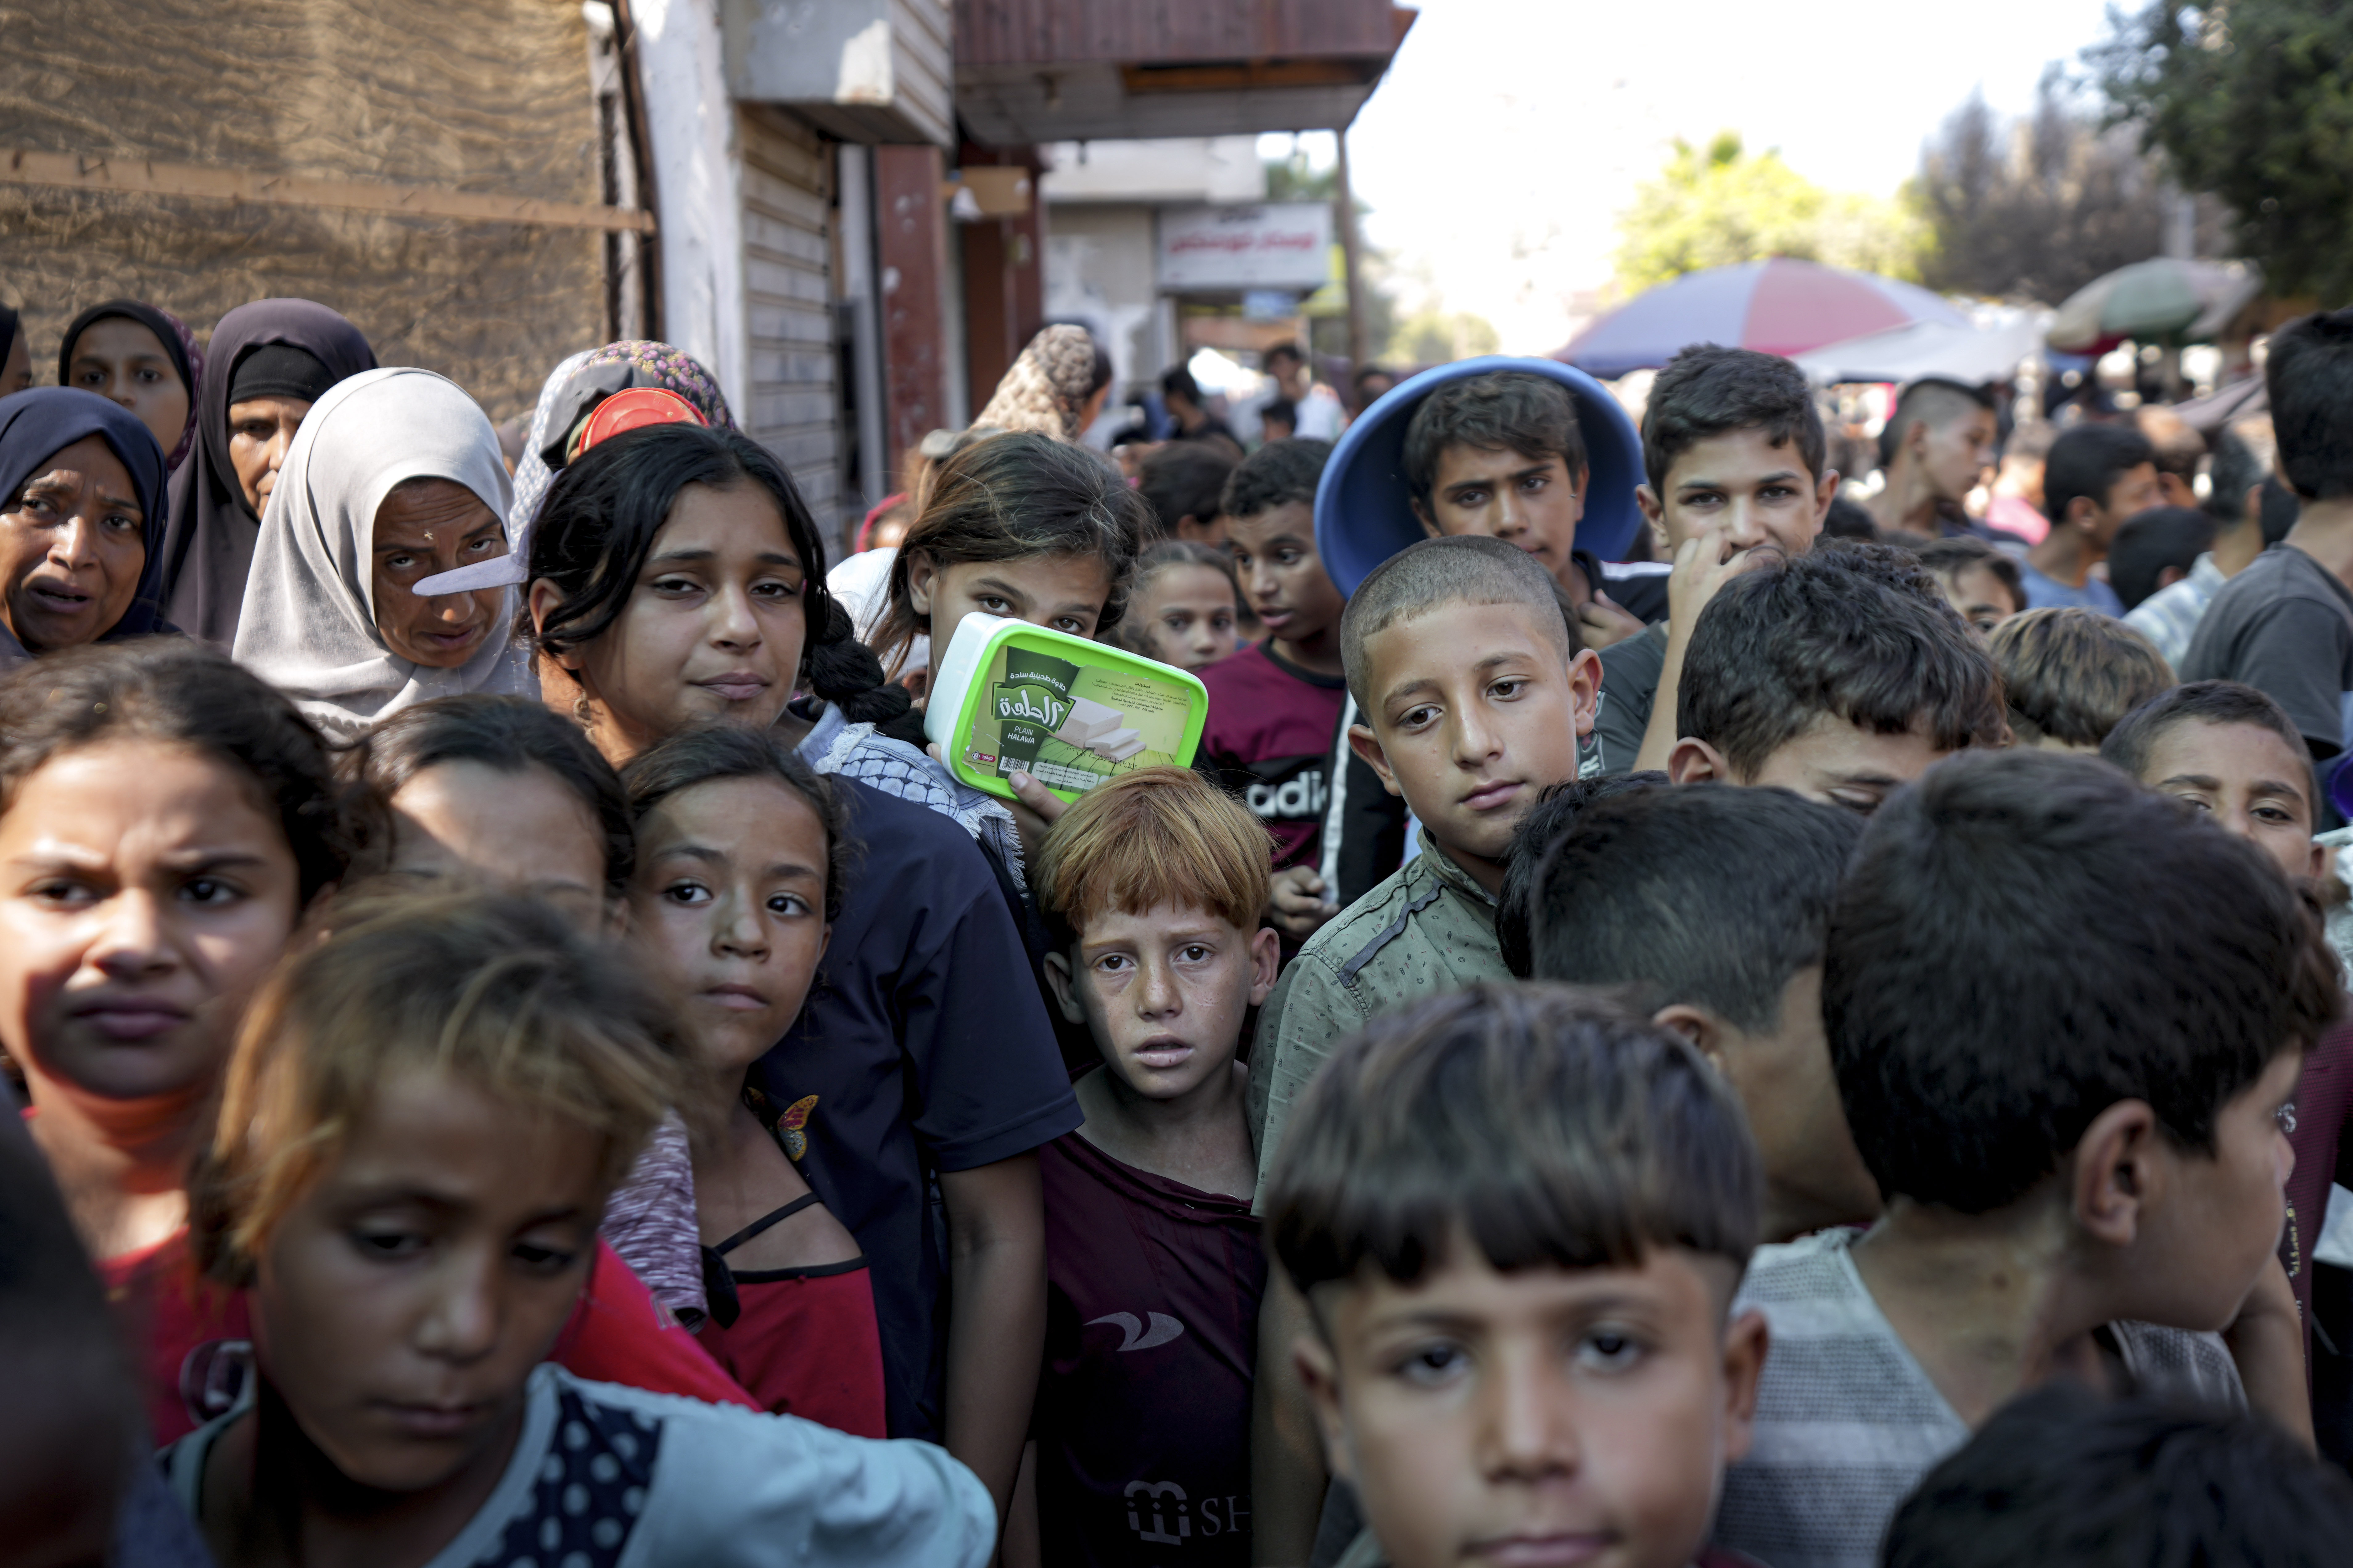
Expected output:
(1718, 205)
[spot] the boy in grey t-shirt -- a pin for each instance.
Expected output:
(2065, 1017)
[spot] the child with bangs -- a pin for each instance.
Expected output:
(1519, 1219)
(423, 1120)
(1152, 885)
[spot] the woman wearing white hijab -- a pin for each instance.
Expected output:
(394, 478)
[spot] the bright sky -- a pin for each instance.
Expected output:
(1508, 133)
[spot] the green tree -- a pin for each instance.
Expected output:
(1717, 205)
(2251, 100)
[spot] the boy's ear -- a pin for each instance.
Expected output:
(2117, 1175)
(922, 573)
(1368, 747)
(1702, 1029)
(1825, 492)
(1421, 514)
(1654, 515)
(1321, 1375)
(1584, 691)
(1266, 961)
(1065, 987)
(1747, 1341)
(1693, 761)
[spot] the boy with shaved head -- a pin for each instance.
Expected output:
(1935, 446)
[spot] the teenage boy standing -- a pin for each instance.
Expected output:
(1502, 455)
(1733, 451)
(2284, 625)
(1935, 446)
(2097, 476)
(1316, 406)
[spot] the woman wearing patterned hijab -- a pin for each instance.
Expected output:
(1055, 388)
(144, 359)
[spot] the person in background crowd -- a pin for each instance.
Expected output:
(2064, 1478)
(2070, 675)
(2016, 506)
(1055, 387)
(886, 524)
(2284, 625)
(571, 392)
(15, 354)
(923, 1071)
(1503, 455)
(1372, 383)
(1980, 579)
(144, 359)
(394, 478)
(1183, 482)
(2252, 512)
(736, 888)
(2178, 449)
(1732, 454)
(1278, 420)
(1935, 448)
(2097, 476)
(1318, 417)
(1182, 608)
(1190, 410)
(81, 524)
(423, 1117)
(2155, 550)
(270, 361)
(1851, 520)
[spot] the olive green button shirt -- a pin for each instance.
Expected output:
(1426, 929)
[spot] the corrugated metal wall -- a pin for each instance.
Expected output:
(474, 95)
(1005, 32)
(794, 409)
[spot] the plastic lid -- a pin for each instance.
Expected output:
(1363, 512)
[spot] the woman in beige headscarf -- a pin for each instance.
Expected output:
(1055, 388)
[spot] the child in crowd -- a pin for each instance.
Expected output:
(423, 1117)
(1185, 484)
(738, 883)
(1835, 675)
(1278, 420)
(1732, 454)
(2251, 510)
(1183, 606)
(1474, 698)
(2097, 476)
(1276, 707)
(2133, 994)
(2063, 1478)
(1153, 883)
(675, 572)
(1936, 447)
(2157, 549)
(1502, 455)
(1708, 910)
(1980, 581)
(2070, 674)
(498, 790)
(135, 779)
(1519, 1220)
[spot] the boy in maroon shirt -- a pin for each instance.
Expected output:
(1152, 886)
(1275, 707)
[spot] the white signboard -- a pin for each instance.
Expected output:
(1281, 245)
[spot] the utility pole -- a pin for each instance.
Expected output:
(1359, 351)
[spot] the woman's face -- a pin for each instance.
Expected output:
(728, 909)
(122, 359)
(259, 431)
(72, 543)
(424, 527)
(529, 831)
(711, 632)
(146, 888)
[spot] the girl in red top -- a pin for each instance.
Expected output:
(738, 883)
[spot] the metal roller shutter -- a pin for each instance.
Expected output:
(794, 409)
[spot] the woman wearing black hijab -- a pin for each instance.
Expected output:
(81, 514)
(144, 359)
(269, 360)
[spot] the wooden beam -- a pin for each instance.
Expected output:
(86, 171)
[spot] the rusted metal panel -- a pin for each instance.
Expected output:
(1023, 32)
(910, 242)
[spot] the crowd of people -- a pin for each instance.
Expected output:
(1817, 1044)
